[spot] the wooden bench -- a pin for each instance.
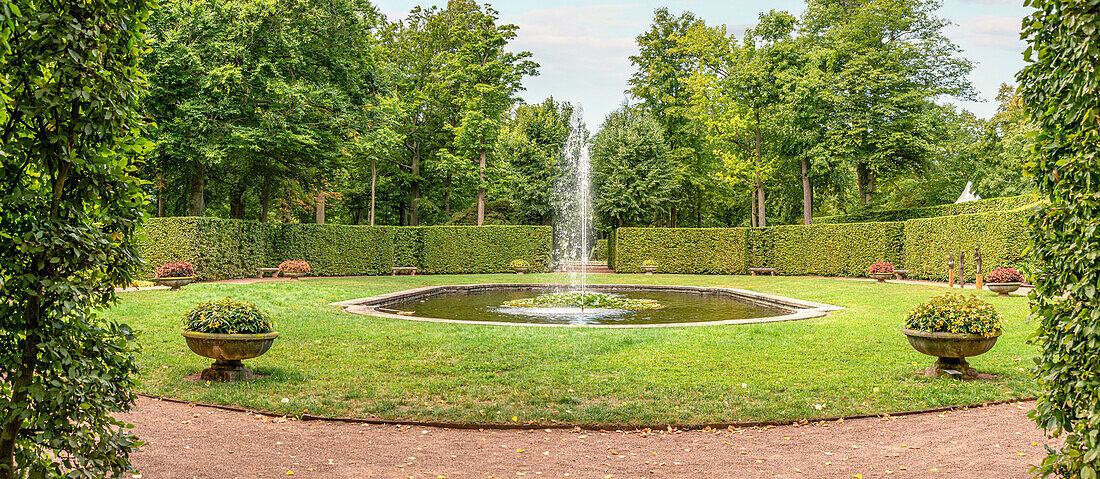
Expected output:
(769, 271)
(403, 269)
(898, 273)
(260, 272)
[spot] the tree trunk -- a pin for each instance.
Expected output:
(319, 212)
(866, 181)
(265, 199)
(414, 189)
(807, 194)
(373, 184)
(752, 208)
(236, 202)
(481, 190)
(672, 216)
(160, 204)
(763, 217)
(196, 203)
(447, 197)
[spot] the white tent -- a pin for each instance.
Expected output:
(967, 195)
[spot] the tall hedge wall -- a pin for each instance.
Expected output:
(224, 249)
(218, 248)
(680, 250)
(970, 207)
(1002, 237)
(845, 249)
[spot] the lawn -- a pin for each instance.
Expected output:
(328, 362)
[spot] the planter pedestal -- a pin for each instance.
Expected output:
(950, 367)
(227, 370)
(951, 351)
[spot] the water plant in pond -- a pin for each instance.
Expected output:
(585, 299)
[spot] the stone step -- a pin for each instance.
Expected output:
(591, 269)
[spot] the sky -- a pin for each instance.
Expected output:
(584, 47)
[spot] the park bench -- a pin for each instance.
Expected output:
(768, 271)
(260, 272)
(898, 273)
(411, 270)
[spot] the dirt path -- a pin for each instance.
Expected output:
(200, 442)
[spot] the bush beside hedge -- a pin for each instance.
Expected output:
(1002, 237)
(981, 206)
(680, 250)
(845, 249)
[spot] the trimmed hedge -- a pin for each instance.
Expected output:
(845, 249)
(601, 250)
(1001, 236)
(680, 250)
(483, 249)
(981, 206)
(225, 249)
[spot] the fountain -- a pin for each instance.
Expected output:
(578, 303)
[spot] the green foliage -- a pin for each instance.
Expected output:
(223, 249)
(969, 207)
(649, 263)
(1001, 237)
(631, 172)
(586, 299)
(680, 250)
(71, 139)
(826, 250)
(955, 313)
(601, 250)
(531, 145)
(1058, 89)
(226, 316)
(483, 249)
(519, 263)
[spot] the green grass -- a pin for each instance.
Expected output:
(328, 362)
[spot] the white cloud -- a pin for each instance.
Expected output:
(988, 31)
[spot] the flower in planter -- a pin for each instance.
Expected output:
(955, 313)
(1004, 275)
(881, 267)
(176, 269)
(519, 263)
(227, 316)
(294, 266)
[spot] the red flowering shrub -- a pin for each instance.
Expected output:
(1004, 275)
(294, 266)
(175, 269)
(881, 267)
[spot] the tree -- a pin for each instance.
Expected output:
(890, 59)
(1058, 89)
(531, 144)
(663, 66)
(71, 133)
(487, 77)
(631, 172)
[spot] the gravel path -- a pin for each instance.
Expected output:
(200, 442)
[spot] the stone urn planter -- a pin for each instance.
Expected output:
(649, 269)
(519, 269)
(882, 277)
(1002, 289)
(951, 349)
(227, 351)
(293, 274)
(174, 284)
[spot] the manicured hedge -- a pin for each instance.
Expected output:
(680, 250)
(224, 249)
(340, 250)
(218, 248)
(970, 207)
(845, 249)
(1002, 237)
(601, 250)
(483, 249)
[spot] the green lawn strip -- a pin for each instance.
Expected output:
(328, 362)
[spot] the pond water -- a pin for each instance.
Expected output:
(679, 307)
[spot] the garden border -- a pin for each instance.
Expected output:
(797, 309)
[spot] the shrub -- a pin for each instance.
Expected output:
(339, 250)
(483, 249)
(226, 316)
(519, 263)
(679, 250)
(600, 254)
(175, 269)
(1004, 275)
(881, 267)
(294, 266)
(1001, 236)
(649, 263)
(826, 250)
(970, 207)
(955, 313)
(218, 248)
